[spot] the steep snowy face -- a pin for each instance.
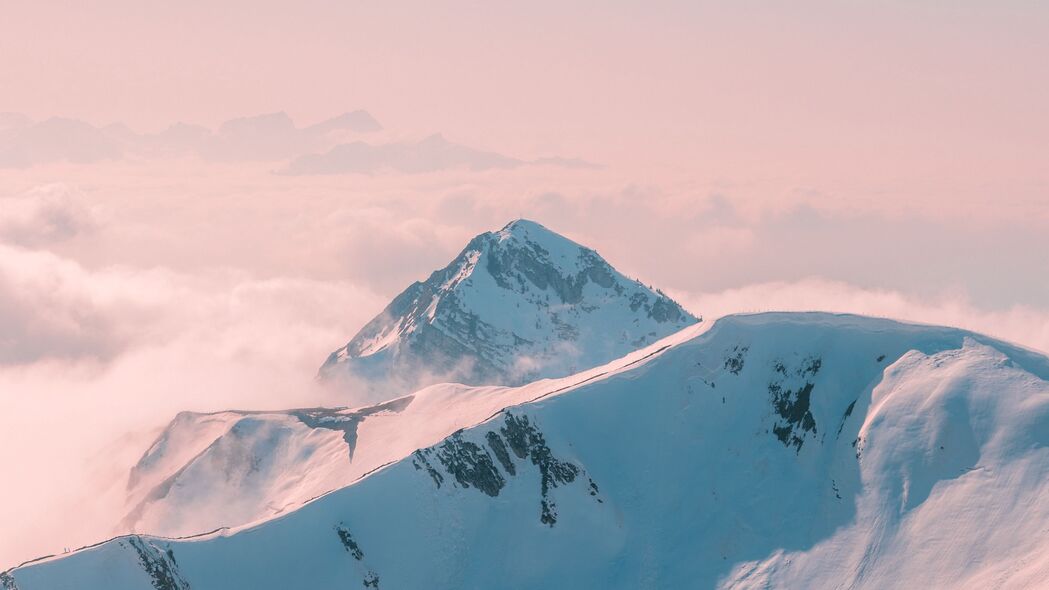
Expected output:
(516, 305)
(770, 451)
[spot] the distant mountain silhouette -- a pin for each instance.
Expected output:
(432, 154)
(267, 137)
(332, 146)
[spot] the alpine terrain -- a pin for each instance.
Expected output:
(785, 450)
(516, 305)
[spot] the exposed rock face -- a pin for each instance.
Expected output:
(516, 305)
(7, 582)
(792, 403)
(158, 563)
(471, 464)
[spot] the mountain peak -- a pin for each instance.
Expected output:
(358, 121)
(434, 139)
(532, 231)
(515, 305)
(522, 225)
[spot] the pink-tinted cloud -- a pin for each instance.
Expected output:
(1025, 325)
(93, 362)
(45, 215)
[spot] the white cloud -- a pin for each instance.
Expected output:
(44, 215)
(52, 308)
(1019, 324)
(92, 362)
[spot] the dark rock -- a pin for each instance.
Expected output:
(469, 463)
(420, 458)
(347, 541)
(792, 406)
(791, 403)
(734, 362)
(527, 441)
(845, 416)
(472, 465)
(340, 420)
(499, 448)
(159, 564)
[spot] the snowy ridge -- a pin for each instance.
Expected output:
(227, 469)
(773, 450)
(517, 305)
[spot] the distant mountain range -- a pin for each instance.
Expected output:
(429, 155)
(270, 137)
(333, 146)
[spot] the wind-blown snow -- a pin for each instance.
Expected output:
(775, 450)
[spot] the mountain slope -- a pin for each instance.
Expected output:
(775, 450)
(516, 305)
(490, 308)
(227, 469)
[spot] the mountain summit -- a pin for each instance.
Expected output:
(516, 305)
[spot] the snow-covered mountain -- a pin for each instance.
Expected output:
(227, 469)
(766, 451)
(516, 305)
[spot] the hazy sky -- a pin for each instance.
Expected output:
(881, 90)
(889, 159)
